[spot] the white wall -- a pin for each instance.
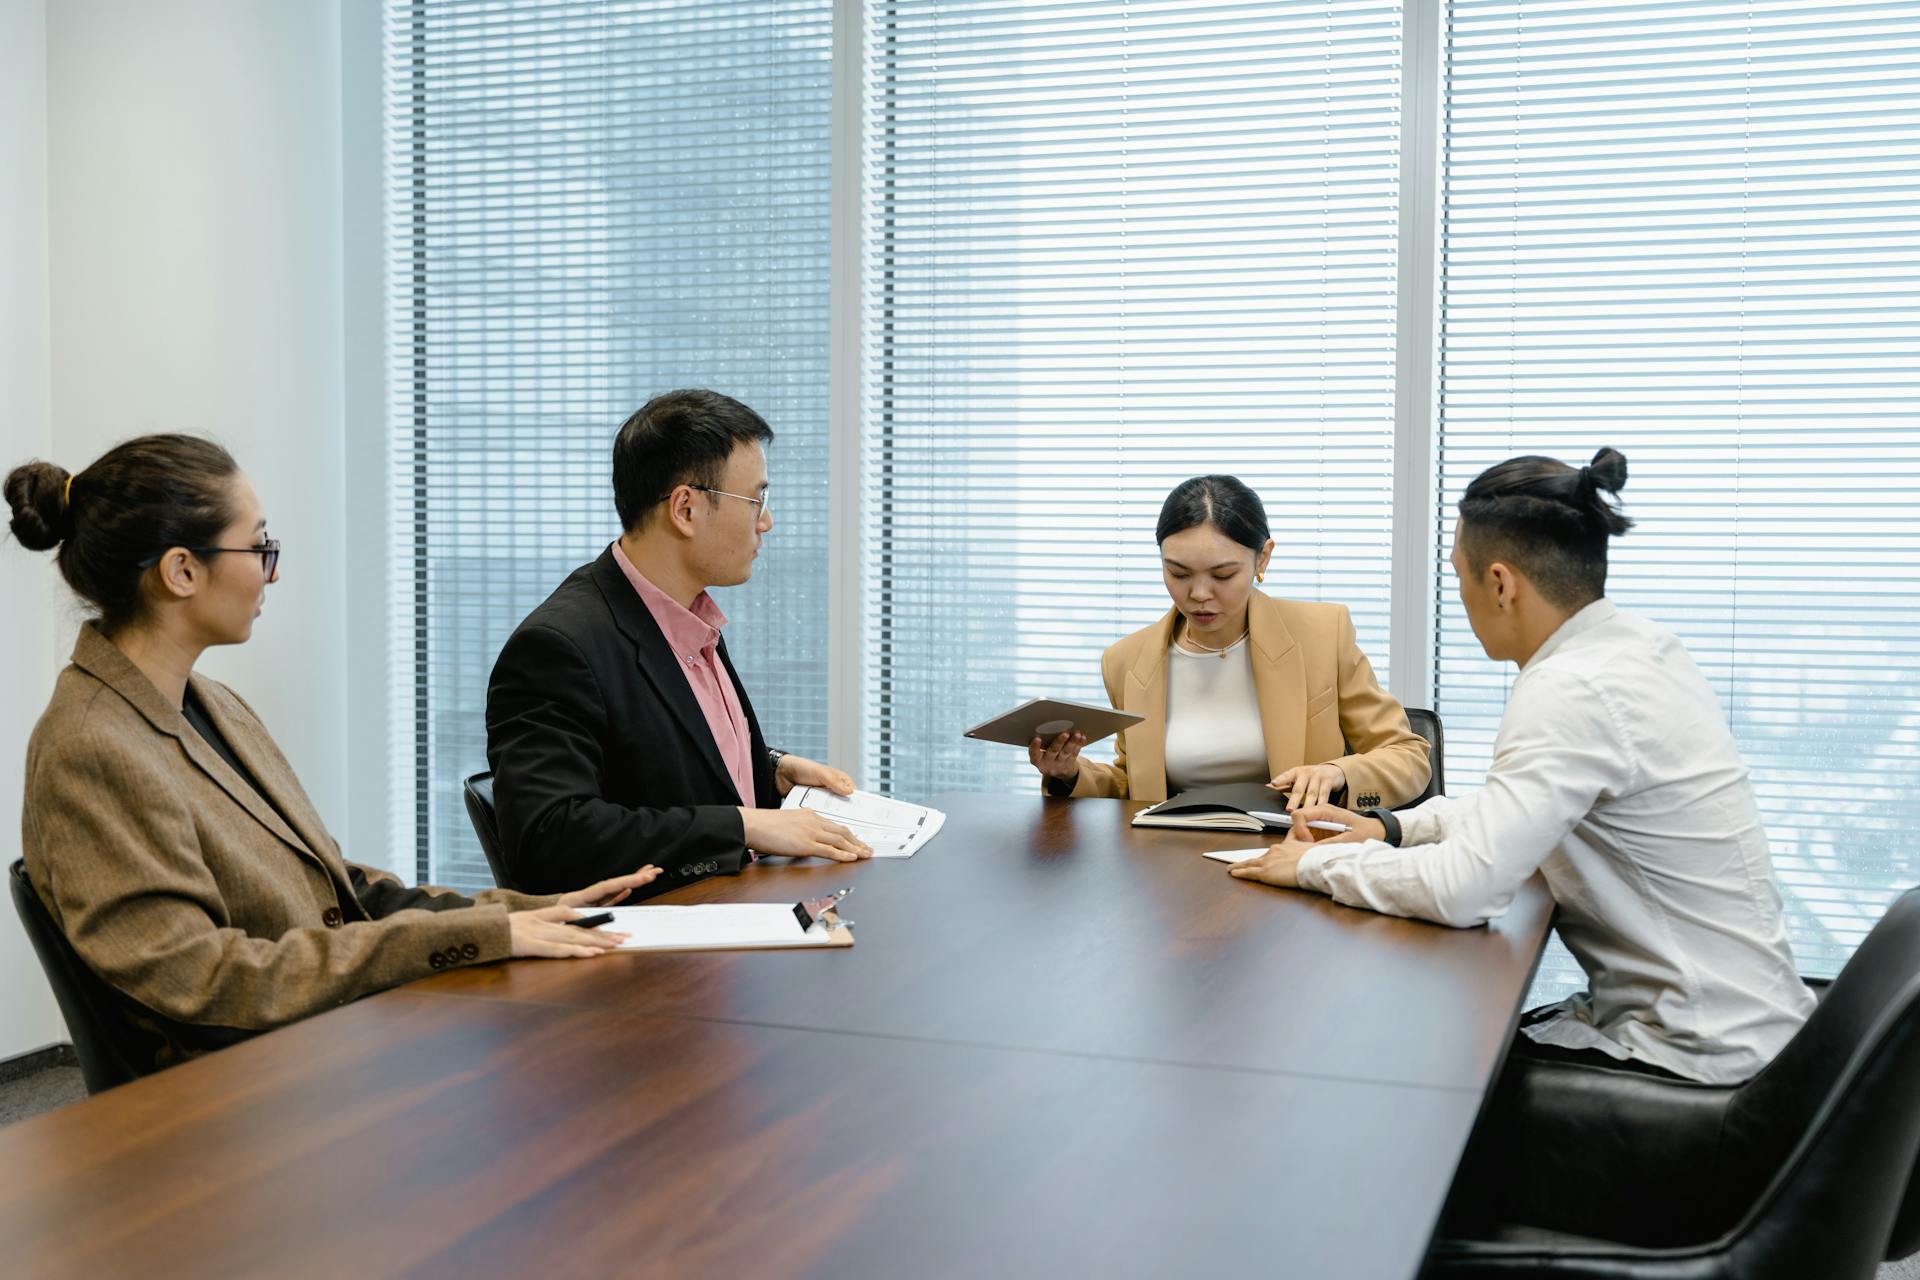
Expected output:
(194, 175)
(171, 259)
(28, 1017)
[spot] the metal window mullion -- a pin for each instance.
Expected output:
(846, 721)
(1416, 530)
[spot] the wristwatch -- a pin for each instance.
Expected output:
(1388, 819)
(773, 757)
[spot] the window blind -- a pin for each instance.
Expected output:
(1689, 231)
(591, 203)
(1110, 246)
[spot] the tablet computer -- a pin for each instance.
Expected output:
(1047, 718)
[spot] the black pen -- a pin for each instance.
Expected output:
(592, 922)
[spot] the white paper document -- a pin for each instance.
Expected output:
(1233, 855)
(714, 926)
(894, 828)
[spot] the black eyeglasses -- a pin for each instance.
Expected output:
(268, 551)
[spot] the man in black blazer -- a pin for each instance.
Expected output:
(618, 731)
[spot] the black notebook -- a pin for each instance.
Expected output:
(1231, 806)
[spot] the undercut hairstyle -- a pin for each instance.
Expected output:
(1220, 501)
(1549, 520)
(115, 517)
(681, 437)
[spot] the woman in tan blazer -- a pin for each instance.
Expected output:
(1237, 686)
(162, 827)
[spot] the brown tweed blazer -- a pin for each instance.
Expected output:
(186, 891)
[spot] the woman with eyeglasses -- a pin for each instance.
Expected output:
(164, 831)
(1237, 686)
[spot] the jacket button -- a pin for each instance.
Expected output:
(331, 917)
(469, 952)
(437, 960)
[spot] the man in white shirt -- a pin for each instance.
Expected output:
(1614, 776)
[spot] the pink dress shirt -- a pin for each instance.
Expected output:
(694, 636)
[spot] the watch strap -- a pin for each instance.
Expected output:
(1388, 819)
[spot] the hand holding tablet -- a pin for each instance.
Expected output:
(1048, 718)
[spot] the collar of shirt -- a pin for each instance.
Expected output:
(1596, 614)
(689, 632)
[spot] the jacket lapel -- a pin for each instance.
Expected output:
(301, 826)
(101, 658)
(1279, 684)
(659, 664)
(1146, 694)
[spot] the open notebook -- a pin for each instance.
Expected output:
(1232, 806)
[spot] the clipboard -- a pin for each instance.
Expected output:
(1046, 718)
(734, 926)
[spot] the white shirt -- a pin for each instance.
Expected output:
(1213, 719)
(1615, 775)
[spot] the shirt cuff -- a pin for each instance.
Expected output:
(1421, 824)
(1308, 873)
(1311, 871)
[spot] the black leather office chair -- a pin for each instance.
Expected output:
(1807, 1170)
(479, 795)
(1427, 725)
(112, 1049)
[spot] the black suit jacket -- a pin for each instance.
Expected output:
(602, 759)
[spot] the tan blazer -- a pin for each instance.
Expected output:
(187, 892)
(1319, 703)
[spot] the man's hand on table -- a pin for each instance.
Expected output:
(798, 771)
(800, 833)
(1278, 865)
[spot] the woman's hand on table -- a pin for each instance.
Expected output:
(608, 892)
(1310, 784)
(545, 933)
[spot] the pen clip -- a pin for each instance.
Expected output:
(814, 910)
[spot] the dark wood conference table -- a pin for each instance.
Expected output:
(1060, 1046)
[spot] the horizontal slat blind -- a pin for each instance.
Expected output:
(590, 203)
(1110, 246)
(1692, 231)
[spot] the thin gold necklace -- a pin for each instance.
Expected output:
(1220, 653)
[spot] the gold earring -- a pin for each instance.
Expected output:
(1260, 576)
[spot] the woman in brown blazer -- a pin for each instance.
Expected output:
(162, 827)
(1237, 686)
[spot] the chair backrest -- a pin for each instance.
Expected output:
(1904, 1241)
(1831, 1129)
(479, 795)
(1427, 725)
(111, 1048)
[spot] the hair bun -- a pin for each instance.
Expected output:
(1608, 470)
(37, 495)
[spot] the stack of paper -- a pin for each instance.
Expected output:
(717, 926)
(894, 828)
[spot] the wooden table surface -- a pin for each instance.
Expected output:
(1060, 1047)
